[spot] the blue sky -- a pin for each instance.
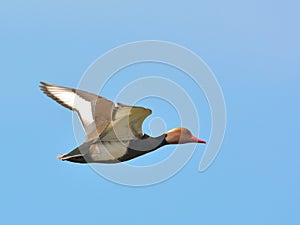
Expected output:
(253, 49)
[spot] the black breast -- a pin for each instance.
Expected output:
(142, 146)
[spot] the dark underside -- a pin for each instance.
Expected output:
(135, 149)
(142, 146)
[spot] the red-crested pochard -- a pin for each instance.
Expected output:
(113, 132)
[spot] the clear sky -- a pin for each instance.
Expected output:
(253, 49)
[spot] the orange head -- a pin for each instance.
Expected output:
(180, 136)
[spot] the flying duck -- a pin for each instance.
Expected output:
(113, 131)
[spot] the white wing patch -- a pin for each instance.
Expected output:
(84, 108)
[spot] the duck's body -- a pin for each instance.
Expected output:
(114, 152)
(114, 132)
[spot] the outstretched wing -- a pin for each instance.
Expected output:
(126, 124)
(95, 112)
(99, 116)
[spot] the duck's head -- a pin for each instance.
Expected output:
(181, 135)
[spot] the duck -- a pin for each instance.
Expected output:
(113, 131)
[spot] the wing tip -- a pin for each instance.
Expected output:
(44, 88)
(44, 84)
